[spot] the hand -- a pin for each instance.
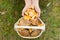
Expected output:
(38, 10)
(27, 4)
(24, 10)
(36, 5)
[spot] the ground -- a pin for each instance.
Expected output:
(10, 12)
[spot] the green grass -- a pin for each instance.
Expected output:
(11, 12)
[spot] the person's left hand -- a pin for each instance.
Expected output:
(38, 10)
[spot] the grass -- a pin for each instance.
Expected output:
(10, 12)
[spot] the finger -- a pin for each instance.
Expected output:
(24, 11)
(38, 10)
(22, 14)
(35, 19)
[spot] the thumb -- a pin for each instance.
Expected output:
(23, 11)
(38, 11)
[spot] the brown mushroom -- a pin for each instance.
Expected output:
(23, 22)
(24, 33)
(35, 33)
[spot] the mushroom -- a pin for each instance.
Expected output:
(24, 33)
(23, 22)
(35, 33)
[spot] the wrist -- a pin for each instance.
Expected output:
(27, 2)
(35, 2)
(27, 5)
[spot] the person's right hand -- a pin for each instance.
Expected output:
(27, 4)
(24, 9)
